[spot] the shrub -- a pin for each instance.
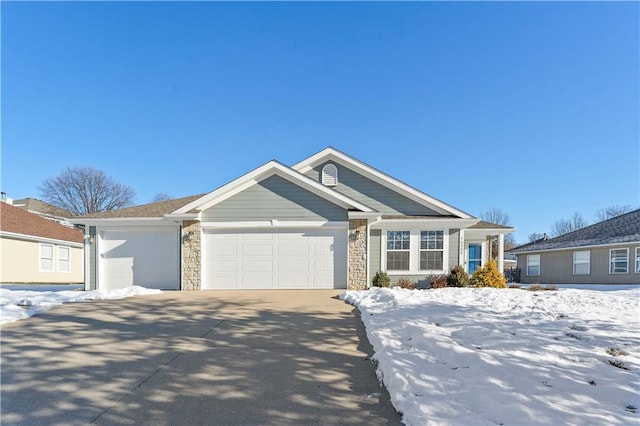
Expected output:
(458, 277)
(406, 283)
(538, 287)
(488, 276)
(438, 281)
(515, 286)
(381, 279)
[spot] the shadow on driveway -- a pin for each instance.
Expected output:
(267, 357)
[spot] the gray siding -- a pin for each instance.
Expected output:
(274, 198)
(454, 245)
(556, 267)
(372, 194)
(375, 241)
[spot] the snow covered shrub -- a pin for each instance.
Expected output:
(438, 281)
(488, 276)
(538, 287)
(458, 277)
(406, 283)
(381, 279)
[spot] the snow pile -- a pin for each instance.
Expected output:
(506, 356)
(16, 305)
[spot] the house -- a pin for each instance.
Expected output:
(330, 221)
(38, 250)
(46, 210)
(607, 252)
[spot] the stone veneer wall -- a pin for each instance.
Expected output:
(357, 275)
(191, 252)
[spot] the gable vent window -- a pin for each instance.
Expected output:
(330, 175)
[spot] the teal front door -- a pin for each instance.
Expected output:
(475, 257)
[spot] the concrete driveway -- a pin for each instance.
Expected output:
(194, 358)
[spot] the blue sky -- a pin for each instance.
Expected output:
(532, 108)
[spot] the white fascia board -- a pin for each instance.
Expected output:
(427, 223)
(578, 248)
(36, 239)
(140, 222)
(489, 231)
(275, 224)
(181, 217)
(364, 215)
(379, 177)
(267, 170)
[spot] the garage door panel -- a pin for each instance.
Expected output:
(286, 258)
(146, 258)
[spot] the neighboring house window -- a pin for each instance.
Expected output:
(637, 260)
(619, 261)
(398, 250)
(533, 264)
(431, 250)
(63, 259)
(330, 175)
(581, 262)
(46, 257)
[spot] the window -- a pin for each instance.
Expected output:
(637, 260)
(330, 175)
(619, 261)
(63, 259)
(533, 265)
(431, 250)
(46, 257)
(398, 250)
(581, 262)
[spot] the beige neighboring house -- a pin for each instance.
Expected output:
(38, 250)
(44, 209)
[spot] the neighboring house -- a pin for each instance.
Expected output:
(38, 250)
(607, 252)
(46, 210)
(329, 221)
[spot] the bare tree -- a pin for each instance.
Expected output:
(564, 226)
(613, 211)
(536, 236)
(161, 196)
(84, 190)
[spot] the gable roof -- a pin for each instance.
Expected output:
(489, 225)
(19, 221)
(620, 229)
(332, 154)
(34, 205)
(269, 169)
(158, 209)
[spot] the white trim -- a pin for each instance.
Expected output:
(68, 271)
(184, 216)
(365, 215)
(637, 261)
(128, 222)
(539, 265)
(329, 175)
(610, 261)
(588, 262)
(36, 239)
(331, 154)
(274, 224)
(257, 175)
(414, 251)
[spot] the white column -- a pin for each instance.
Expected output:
(501, 253)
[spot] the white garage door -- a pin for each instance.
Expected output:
(148, 258)
(295, 259)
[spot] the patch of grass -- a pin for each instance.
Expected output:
(613, 351)
(618, 364)
(538, 287)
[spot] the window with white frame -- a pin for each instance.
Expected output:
(619, 261)
(398, 250)
(64, 262)
(431, 250)
(637, 260)
(330, 175)
(46, 257)
(581, 262)
(533, 265)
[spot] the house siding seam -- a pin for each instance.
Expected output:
(357, 275)
(191, 255)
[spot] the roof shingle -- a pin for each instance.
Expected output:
(19, 221)
(146, 210)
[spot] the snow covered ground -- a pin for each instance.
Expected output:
(506, 356)
(20, 304)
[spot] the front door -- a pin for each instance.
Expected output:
(475, 257)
